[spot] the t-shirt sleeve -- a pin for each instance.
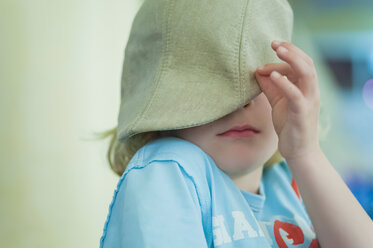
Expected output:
(291, 180)
(156, 206)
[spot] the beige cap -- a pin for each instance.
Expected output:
(190, 62)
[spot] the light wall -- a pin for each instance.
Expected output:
(60, 66)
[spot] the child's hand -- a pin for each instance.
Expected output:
(295, 100)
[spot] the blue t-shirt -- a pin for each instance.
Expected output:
(172, 194)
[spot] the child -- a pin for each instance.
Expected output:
(200, 131)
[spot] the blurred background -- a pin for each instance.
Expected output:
(60, 69)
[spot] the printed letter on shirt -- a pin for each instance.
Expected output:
(240, 225)
(220, 233)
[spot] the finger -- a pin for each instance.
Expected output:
(305, 73)
(292, 93)
(271, 90)
(291, 46)
(299, 65)
(283, 68)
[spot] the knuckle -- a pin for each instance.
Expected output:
(306, 74)
(309, 74)
(287, 44)
(297, 97)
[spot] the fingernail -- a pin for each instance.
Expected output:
(260, 68)
(275, 74)
(276, 43)
(282, 49)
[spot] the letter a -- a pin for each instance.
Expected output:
(240, 225)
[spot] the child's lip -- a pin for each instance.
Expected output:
(241, 128)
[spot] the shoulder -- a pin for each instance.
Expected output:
(153, 195)
(190, 157)
(179, 148)
(175, 155)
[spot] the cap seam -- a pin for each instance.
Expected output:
(239, 52)
(244, 62)
(165, 51)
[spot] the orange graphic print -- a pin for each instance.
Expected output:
(294, 233)
(295, 187)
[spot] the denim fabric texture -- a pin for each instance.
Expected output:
(190, 62)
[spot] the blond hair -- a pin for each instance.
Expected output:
(119, 154)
